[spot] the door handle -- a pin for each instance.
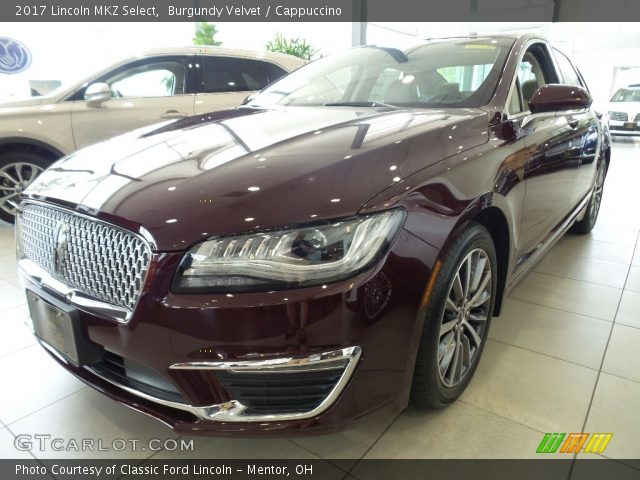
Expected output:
(573, 122)
(173, 114)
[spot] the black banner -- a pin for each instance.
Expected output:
(543, 468)
(318, 10)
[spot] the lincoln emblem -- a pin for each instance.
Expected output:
(62, 238)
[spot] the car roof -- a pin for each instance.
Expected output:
(220, 51)
(492, 36)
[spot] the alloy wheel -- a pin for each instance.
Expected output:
(14, 178)
(465, 317)
(597, 194)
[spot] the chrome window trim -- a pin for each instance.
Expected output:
(75, 297)
(235, 411)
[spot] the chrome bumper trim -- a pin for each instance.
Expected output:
(234, 411)
(42, 279)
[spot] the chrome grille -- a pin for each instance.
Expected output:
(91, 256)
(618, 116)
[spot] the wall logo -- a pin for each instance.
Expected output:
(574, 442)
(14, 56)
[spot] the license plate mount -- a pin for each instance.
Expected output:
(59, 326)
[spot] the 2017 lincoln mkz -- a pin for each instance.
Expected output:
(335, 246)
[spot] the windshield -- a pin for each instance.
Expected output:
(626, 95)
(451, 73)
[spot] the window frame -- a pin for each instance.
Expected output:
(514, 80)
(187, 60)
(199, 77)
(557, 52)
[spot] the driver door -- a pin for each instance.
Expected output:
(143, 92)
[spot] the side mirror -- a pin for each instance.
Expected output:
(556, 97)
(96, 93)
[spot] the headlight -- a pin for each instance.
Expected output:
(293, 258)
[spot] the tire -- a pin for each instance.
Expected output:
(436, 383)
(585, 225)
(18, 169)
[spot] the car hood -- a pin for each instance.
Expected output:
(630, 108)
(245, 169)
(27, 102)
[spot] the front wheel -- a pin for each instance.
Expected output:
(457, 319)
(17, 170)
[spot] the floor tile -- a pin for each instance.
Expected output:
(624, 236)
(11, 295)
(633, 280)
(585, 269)
(636, 258)
(9, 272)
(230, 447)
(7, 447)
(614, 410)
(561, 334)
(571, 295)
(629, 311)
(531, 389)
(583, 246)
(15, 333)
(32, 380)
(458, 431)
(351, 443)
(623, 353)
(89, 414)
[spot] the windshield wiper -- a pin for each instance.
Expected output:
(358, 104)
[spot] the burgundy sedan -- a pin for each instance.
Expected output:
(336, 245)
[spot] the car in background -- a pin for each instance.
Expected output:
(159, 85)
(335, 246)
(624, 111)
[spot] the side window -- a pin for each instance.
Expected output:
(273, 71)
(531, 76)
(569, 74)
(227, 74)
(149, 79)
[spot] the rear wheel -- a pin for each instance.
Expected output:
(457, 320)
(17, 170)
(585, 225)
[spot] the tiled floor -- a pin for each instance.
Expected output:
(564, 356)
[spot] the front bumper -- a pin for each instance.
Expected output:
(181, 348)
(620, 128)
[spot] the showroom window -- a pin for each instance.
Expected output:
(157, 79)
(569, 74)
(222, 74)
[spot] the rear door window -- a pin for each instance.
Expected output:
(228, 74)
